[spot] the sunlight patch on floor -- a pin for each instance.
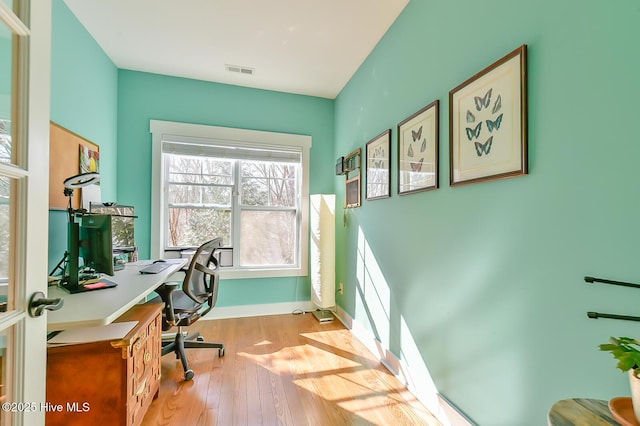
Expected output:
(299, 360)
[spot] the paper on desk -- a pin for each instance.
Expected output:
(113, 331)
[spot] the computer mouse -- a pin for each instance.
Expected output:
(159, 260)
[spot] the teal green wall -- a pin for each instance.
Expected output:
(487, 279)
(143, 97)
(84, 90)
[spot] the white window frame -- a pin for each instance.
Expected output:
(232, 137)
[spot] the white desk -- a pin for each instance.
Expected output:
(101, 307)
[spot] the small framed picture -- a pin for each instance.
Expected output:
(418, 140)
(488, 122)
(378, 152)
(351, 168)
(353, 192)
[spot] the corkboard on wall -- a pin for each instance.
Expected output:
(64, 162)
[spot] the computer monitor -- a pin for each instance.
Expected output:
(122, 229)
(96, 246)
(89, 240)
(122, 226)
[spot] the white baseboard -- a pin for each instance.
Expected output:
(258, 310)
(418, 385)
(415, 381)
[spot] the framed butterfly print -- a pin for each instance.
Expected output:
(488, 122)
(418, 140)
(378, 152)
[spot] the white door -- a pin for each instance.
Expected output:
(25, 34)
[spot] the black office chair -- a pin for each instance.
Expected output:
(185, 306)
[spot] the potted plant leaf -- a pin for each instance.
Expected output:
(627, 351)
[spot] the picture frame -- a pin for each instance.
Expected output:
(378, 166)
(488, 122)
(353, 188)
(418, 150)
(353, 192)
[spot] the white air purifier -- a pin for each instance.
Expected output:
(323, 255)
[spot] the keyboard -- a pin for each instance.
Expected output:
(155, 268)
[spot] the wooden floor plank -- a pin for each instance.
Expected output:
(282, 370)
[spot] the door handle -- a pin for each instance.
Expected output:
(38, 303)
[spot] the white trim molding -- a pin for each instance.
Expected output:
(412, 376)
(205, 135)
(14, 23)
(244, 311)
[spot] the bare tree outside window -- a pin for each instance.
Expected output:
(5, 141)
(199, 200)
(5, 196)
(201, 205)
(268, 219)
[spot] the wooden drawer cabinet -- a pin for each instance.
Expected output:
(107, 383)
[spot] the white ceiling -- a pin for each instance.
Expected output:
(296, 46)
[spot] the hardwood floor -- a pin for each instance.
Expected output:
(282, 370)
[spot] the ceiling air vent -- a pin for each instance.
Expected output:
(240, 69)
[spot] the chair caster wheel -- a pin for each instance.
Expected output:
(188, 375)
(221, 352)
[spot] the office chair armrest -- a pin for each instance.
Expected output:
(166, 294)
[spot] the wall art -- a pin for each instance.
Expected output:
(418, 140)
(488, 122)
(352, 184)
(378, 152)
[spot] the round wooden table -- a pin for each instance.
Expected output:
(581, 411)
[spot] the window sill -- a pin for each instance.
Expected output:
(231, 273)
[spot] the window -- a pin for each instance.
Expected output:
(248, 187)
